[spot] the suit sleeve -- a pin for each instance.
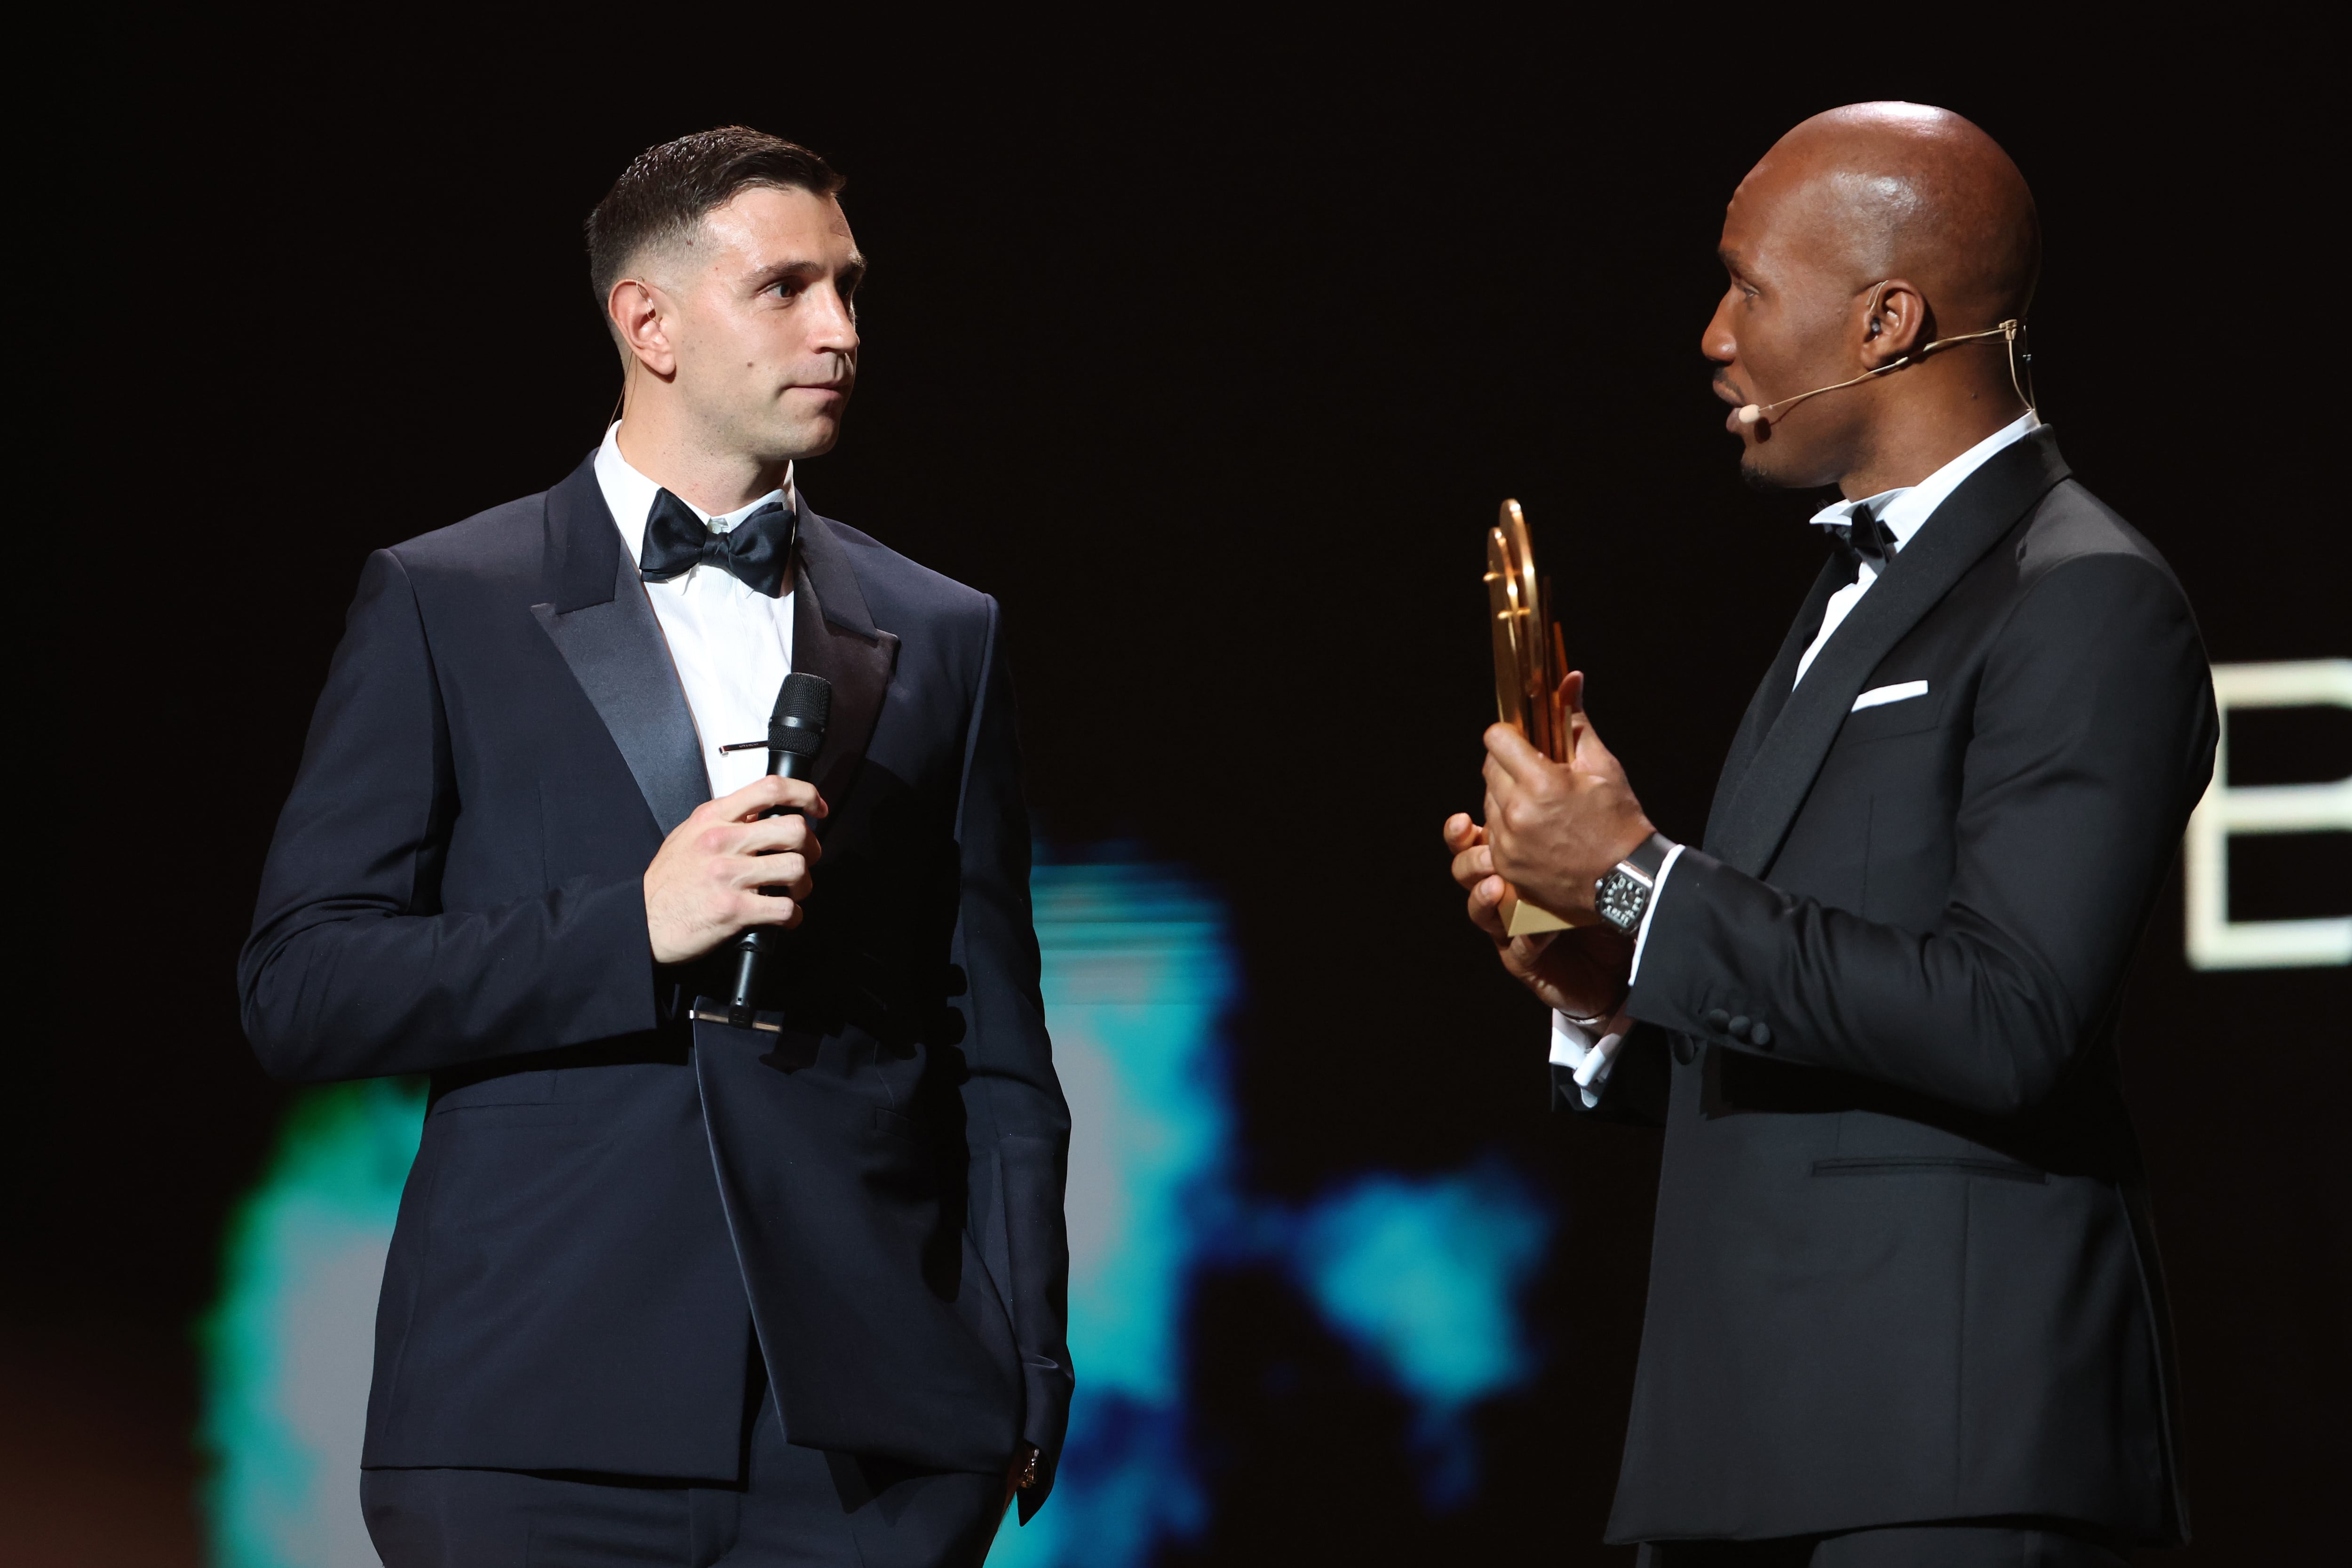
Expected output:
(2093, 735)
(1012, 1098)
(354, 968)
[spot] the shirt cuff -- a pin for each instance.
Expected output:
(1589, 1059)
(1650, 910)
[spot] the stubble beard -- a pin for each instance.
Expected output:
(770, 436)
(1757, 477)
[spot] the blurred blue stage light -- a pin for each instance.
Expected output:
(287, 1349)
(1136, 976)
(1422, 1276)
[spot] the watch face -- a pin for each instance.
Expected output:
(1619, 899)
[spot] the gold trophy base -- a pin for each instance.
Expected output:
(1521, 916)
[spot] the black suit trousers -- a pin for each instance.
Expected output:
(1910, 1546)
(797, 1506)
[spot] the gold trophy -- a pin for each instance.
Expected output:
(1530, 662)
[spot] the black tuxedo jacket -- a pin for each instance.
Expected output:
(1902, 1269)
(616, 1206)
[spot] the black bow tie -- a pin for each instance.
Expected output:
(757, 553)
(1870, 539)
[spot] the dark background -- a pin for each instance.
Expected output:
(1212, 360)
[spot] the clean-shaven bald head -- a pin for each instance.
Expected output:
(1887, 190)
(1864, 234)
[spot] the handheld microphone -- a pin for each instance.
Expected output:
(795, 736)
(2009, 331)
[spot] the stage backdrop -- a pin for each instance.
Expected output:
(1420, 1275)
(1210, 359)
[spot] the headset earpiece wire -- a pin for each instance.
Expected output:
(2011, 332)
(2021, 363)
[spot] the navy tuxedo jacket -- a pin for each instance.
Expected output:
(618, 1213)
(1902, 1269)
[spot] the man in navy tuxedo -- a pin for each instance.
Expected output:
(1904, 1309)
(664, 1290)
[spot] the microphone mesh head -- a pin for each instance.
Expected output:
(806, 698)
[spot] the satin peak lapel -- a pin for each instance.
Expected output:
(1772, 693)
(1746, 830)
(602, 624)
(833, 634)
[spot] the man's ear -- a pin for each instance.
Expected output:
(1895, 322)
(641, 320)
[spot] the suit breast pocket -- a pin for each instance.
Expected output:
(1885, 720)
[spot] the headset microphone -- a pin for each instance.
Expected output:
(2011, 332)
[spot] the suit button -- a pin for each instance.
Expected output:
(1716, 1018)
(1686, 1050)
(1739, 1027)
(1759, 1033)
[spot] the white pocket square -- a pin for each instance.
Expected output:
(1879, 696)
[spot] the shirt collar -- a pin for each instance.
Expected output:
(629, 496)
(1903, 509)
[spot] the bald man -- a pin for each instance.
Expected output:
(1903, 1301)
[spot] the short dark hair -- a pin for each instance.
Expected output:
(666, 191)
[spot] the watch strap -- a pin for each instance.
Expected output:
(1648, 858)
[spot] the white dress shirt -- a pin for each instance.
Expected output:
(733, 647)
(1903, 511)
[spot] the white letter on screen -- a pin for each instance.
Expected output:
(2215, 941)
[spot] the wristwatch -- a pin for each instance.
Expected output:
(1622, 896)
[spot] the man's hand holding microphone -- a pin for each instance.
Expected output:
(705, 883)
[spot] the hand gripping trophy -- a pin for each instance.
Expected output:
(1530, 667)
